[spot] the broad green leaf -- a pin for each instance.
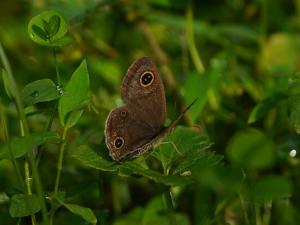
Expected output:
(19, 145)
(294, 103)
(39, 91)
(90, 158)
(272, 188)
(251, 149)
(75, 93)
(24, 205)
(47, 28)
(39, 32)
(53, 25)
(132, 168)
(84, 212)
(265, 106)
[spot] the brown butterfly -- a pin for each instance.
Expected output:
(134, 128)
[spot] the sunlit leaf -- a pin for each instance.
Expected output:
(75, 92)
(47, 28)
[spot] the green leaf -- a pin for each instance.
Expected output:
(53, 25)
(272, 188)
(90, 158)
(39, 91)
(86, 213)
(39, 32)
(24, 205)
(76, 92)
(133, 168)
(47, 28)
(19, 145)
(251, 149)
(265, 106)
(294, 103)
(183, 149)
(62, 41)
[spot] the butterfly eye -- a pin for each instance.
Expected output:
(119, 142)
(146, 79)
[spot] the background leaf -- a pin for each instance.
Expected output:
(19, 145)
(251, 149)
(24, 205)
(43, 90)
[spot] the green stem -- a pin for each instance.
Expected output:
(191, 40)
(28, 185)
(59, 168)
(16, 95)
(60, 160)
(56, 66)
(247, 222)
(13, 160)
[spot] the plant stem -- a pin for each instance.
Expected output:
(191, 40)
(7, 140)
(19, 105)
(28, 185)
(247, 222)
(56, 66)
(60, 160)
(59, 168)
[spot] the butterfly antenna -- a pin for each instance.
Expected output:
(174, 122)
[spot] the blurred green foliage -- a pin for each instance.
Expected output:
(228, 162)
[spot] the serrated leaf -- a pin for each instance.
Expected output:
(19, 145)
(24, 205)
(132, 168)
(54, 28)
(271, 188)
(183, 149)
(251, 149)
(43, 90)
(90, 158)
(75, 92)
(265, 106)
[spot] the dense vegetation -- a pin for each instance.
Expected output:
(231, 160)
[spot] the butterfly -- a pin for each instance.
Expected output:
(134, 128)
